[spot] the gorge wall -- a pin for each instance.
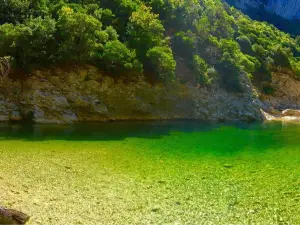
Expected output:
(59, 96)
(288, 9)
(84, 95)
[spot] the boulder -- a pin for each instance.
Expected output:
(11, 216)
(15, 116)
(291, 112)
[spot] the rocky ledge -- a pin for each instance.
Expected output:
(82, 95)
(284, 103)
(288, 115)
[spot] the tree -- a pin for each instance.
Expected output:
(78, 34)
(145, 31)
(162, 62)
(215, 21)
(13, 11)
(200, 70)
(229, 73)
(28, 43)
(184, 44)
(37, 44)
(281, 58)
(245, 44)
(118, 57)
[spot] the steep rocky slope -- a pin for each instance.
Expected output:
(87, 95)
(286, 92)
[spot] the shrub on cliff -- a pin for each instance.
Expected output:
(200, 70)
(163, 63)
(117, 57)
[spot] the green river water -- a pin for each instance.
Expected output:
(182, 172)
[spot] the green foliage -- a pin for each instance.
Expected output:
(215, 21)
(211, 39)
(229, 73)
(281, 58)
(38, 32)
(177, 14)
(268, 90)
(117, 57)
(245, 44)
(296, 67)
(145, 30)
(163, 63)
(184, 43)
(200, 70)
(13, 11)
(78, 35)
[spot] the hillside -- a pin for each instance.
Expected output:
(285, 15)
(203, 43)
(288, 9)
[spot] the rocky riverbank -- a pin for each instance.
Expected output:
(86, 95)
(81, 95)
(284, 103)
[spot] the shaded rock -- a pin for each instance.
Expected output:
(4, 118)
(11, 216)
(38, 113)
(60, 101)
(69, 116)
(15, 116)
(228, 166)
(68, 99)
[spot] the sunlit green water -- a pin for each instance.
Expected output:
(162, 172)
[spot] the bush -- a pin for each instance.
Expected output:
(77, 35)
(245, 44)
(268, 90)
(118, 57)
(200, 68)
(162, 62)
(229, 73)
(281, 58)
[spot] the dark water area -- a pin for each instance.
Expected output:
(122, 130)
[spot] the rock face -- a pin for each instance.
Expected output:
(286, 95)
(87, 95)
(289, 9)
(284, 103)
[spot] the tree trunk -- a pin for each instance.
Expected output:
(10, 216)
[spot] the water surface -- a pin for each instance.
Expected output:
(152, 172)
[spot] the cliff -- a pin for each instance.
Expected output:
(83, 95)
(60, 96)
(288, 9)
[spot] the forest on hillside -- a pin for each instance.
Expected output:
(131, 38)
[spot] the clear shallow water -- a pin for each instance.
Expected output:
(152, 172)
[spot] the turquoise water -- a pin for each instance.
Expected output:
(152, 172)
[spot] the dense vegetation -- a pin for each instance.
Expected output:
(128, 38)
(261, 14)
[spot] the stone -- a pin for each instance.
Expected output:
(11, 216)
(69, 116)
(291, 112)
(60, 101)
(4, 118)
(15, 116)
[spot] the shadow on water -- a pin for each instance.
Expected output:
(101, 131)
(233, 136)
